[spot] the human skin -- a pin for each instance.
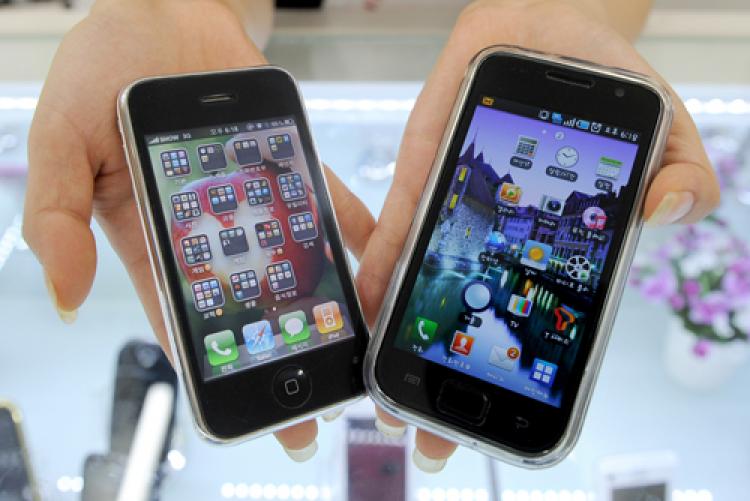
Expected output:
(77, 170)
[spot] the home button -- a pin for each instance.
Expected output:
(292, 386)
(463, 402)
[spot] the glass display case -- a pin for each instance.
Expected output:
(62, 377)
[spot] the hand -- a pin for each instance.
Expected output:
(76, 163)
(684, 190)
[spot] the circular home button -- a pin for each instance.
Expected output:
(292, 386)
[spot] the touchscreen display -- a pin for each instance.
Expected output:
(515, 261)
(257, 278)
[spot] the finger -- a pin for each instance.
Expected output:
(299, 441)
(353, 216)
(57, 210)
(686, 188)
(432, 452)
(388, 425)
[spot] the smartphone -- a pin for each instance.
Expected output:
(16, 478)
(139, 366)
(249, 264)
(376, 464)
(497, 316)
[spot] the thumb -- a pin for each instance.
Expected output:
(57, 210)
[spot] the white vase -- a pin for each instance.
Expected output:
(701, 370)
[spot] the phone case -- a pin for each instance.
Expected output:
(177, 346)
(612, 298)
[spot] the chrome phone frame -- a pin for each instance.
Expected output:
(570, 436)
(157, 260)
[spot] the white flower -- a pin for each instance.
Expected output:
(693, 265)
(721, 326)
(742, 320)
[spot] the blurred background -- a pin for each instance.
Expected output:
(672, 404)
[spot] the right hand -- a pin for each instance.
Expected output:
(76, 163)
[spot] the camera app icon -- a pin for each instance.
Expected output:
(552, 205)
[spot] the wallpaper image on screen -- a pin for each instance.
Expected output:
(516, 255)
(248, 243)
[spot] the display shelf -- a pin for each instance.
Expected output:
(61, 376)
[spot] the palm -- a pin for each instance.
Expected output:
(549, 26)
(77, 112)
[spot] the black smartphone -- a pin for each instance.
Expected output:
(248, 259)
(496, 321)
(16, 479)
(139, 365)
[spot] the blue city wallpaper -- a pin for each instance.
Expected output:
(517, 252)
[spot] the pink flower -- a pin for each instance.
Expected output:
(659, 286)
(708, 309)
(701, 348)
(691, 288)
(677, 302)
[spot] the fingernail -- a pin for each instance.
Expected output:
(388, 430)
(304, 454)
(426, 464)
(674, 206)
(66, 316)
(330, 416)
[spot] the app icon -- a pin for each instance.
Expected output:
(543, 114)
(462, 343)
(552, 205)
(258, 337)
(608, 167)
(328, 317)
(247, 152)
(583, 124)
(543, 372)
(175, 163)
(596, 127)
(222, 198)
(258, 192)
(233, 241)
(557, 118)
(281, 146)
(476, 296)
(536, 254)
(212, 157)
(520, 306)
(221, 348)
(567, 156)
(294, 327)
(281, 276)
(526, 146)
(291, 187)
(578, 268)
(207, 294)
(505, 357)
(594, 218)
(196, 250)
(269, 233)
(510, 193)
(425, 329)
(303, 227)
(565, 319)
(245, 285)
(185, 205)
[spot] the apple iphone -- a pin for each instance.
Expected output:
(497, 316)
(249, 264)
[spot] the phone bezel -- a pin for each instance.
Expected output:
(241, 405)
(513, 79)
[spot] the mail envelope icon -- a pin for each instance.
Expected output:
(504, 357)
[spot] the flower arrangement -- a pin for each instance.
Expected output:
(703, 274)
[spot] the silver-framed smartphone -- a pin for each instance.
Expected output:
(496, 320)
(248, 260)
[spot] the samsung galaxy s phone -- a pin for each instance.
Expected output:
(249, 263)
(16, 478)
(496, 320)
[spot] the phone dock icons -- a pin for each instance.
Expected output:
(221, 348)
(328, 317)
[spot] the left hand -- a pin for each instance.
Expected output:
(685, 189)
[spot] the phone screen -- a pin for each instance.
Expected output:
(518, 254)
(256, 273)
(15, 484)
